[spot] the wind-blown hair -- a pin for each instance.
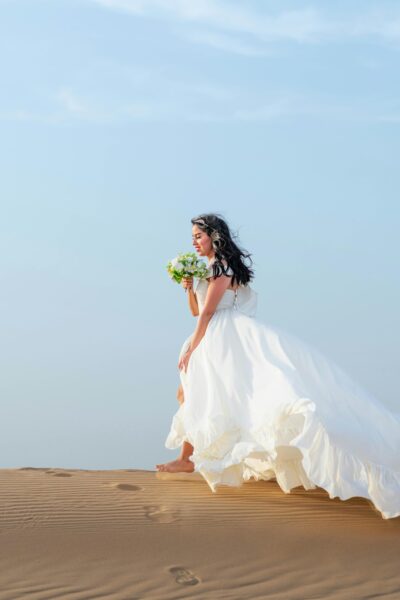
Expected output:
(225, 248)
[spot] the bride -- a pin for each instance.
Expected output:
(258, 402)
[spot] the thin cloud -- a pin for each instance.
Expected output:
(296, 25)
(301, 25)
(180, 103)
(224, 42)
(71, 102)
(21, 115)
(156, 113)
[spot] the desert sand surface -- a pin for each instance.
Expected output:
(135, 534)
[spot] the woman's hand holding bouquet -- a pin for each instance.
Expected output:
(184, 267)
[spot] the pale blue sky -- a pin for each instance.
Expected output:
(121, 120)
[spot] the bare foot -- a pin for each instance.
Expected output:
(176, 466)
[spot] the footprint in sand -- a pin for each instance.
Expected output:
(128, 487)
(184, 576)
(161, 514)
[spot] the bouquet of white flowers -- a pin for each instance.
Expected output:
(186, 265)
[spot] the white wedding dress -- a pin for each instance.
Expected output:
(261, 403)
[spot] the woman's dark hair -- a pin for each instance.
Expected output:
(225, 248)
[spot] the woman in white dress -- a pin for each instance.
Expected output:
(258, 402)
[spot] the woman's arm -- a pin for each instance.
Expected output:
(215, 291)
(194, 307)
(187, 283)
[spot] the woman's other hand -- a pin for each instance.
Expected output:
(184, 361)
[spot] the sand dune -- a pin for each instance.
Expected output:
(134, 534)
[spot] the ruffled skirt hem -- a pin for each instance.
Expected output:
(297, 453)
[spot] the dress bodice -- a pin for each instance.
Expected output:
(244, 298)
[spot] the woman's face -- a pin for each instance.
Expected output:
(201, 241)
